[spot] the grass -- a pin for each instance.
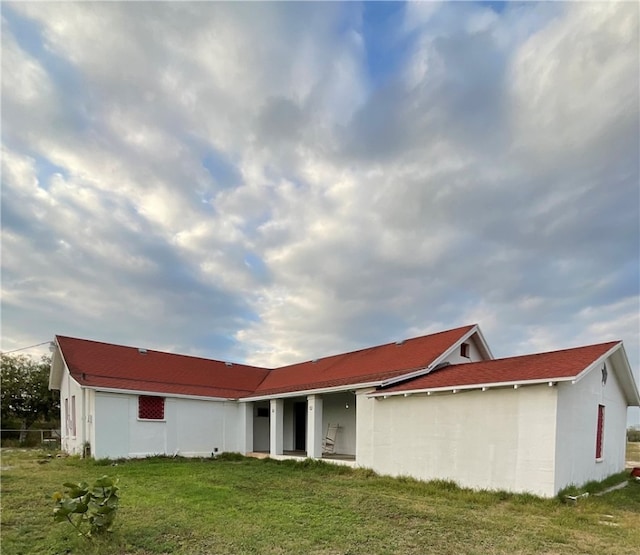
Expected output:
(239, 505)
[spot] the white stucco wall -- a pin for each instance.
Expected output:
(111, 420)
(577, 425)
(497, 439)
(70, 442)
(90, 397)
(474, 354)
(192, 427)
(335, 411)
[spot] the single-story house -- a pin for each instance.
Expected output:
(433, 407)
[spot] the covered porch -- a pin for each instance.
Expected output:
(318, 426)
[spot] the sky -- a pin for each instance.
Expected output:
(274, 182)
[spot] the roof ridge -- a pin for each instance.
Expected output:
(168, 353)
(365, 349)
(544, 352)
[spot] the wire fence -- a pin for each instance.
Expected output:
(31, 437)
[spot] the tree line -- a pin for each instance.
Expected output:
(26, 397)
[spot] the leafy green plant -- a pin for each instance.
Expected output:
(85, 507)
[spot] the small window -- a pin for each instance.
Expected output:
(464, 350)
(150, 408)
(66, 416)
(600, 432)
(73, 415)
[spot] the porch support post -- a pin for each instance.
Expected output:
(314, 426)
(247, 423)
(276, 427)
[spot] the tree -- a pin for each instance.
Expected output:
(24, 386)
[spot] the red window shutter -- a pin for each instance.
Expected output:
(600, 432)
(150, 408)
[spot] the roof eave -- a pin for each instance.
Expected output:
(317, 391)
(468, 387)
(156, 393)
(631, 389)
(484, 346)
(58, 364)
(624, 374)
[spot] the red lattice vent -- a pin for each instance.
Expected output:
(150, 408)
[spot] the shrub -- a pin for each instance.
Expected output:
(84, 507)
(633, 434)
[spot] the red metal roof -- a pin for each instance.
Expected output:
(103, 365)
(364, 366)
(554, 365)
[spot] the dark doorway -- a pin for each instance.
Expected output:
(300, 426)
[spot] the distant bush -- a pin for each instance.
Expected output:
(633, 434)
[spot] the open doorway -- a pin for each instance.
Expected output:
(300, 426)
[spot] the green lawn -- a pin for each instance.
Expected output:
(262, 506)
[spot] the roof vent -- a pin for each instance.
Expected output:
(142, 351)
(314, 360)
(400, 342)
(228, 363)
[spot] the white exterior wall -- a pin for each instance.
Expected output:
(498, 439)
(90, 397)
(70, 442)
(577, 425)
(474, 354)
(191, 428)
(335, 411)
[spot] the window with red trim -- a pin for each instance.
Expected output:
(150, 408)
(600, 432)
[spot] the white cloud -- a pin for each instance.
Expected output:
(228, 179)
(575, 85)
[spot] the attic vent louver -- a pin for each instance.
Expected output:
(142, 351)
(228, 363)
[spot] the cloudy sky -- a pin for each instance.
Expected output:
(272, 182)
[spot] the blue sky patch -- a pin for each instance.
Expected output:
(223, 172)
(256, 266)
(386, 49)
(45, 170)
